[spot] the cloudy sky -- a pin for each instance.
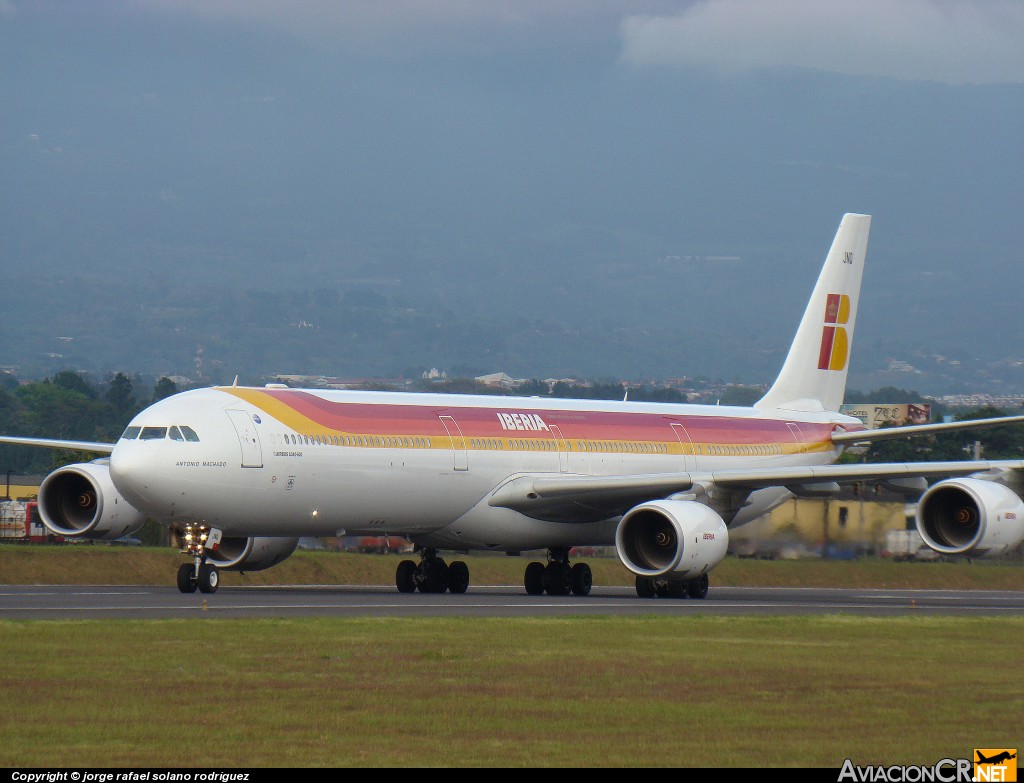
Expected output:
(510, 140)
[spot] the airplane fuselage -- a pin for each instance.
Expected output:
(255, 461)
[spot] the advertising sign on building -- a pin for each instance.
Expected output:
(876, 415)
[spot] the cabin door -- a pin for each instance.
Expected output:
(252, 453)
(460, 456)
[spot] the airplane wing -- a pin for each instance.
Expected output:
(72, 445)
(891, 433)
(586, 498)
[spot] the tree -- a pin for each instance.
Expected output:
(119, 394)
(741, 395)
(73, 381)
(996, 442)
(164, 388)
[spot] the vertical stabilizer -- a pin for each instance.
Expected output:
(814, 375)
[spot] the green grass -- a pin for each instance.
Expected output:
(606, 691)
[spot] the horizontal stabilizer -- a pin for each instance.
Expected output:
(892, 433)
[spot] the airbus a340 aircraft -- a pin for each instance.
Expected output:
(243, 472)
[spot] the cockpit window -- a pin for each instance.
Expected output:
(153, 433)
(175, 434)
(131, 433)
(190, 434)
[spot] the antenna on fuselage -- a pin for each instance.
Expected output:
(236, 381)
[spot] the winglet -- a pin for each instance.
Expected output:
(814, 375)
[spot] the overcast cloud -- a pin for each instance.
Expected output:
(399, 28)
(538, 163)
(950, 41)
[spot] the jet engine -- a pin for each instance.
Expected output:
(80, 500)
(250, 554)
(671, 538)
(967, 516)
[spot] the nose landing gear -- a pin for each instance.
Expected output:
(199, 573)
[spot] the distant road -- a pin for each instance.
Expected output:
(24, 602)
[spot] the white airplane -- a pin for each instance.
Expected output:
(243, 472)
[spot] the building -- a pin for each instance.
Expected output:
(844, 525)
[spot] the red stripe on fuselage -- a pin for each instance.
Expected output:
(399, 419)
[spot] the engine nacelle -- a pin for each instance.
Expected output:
(80, 500)
(671, 538)
(966, 516)
(250, 554)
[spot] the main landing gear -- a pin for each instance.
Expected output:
(431, 575)
(649, 587)
(558, 577)
(198, 573)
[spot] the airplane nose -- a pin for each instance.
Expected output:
(134, 473)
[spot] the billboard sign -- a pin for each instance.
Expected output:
(875, 415)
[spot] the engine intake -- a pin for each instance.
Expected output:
(970, 517)
(679, 538)
(80, 500)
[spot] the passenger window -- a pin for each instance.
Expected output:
(175, 434)
(153, 433)
(131, 433)
(189, 433)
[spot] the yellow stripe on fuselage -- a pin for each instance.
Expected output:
(303, 426)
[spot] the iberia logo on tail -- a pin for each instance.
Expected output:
(835, 343)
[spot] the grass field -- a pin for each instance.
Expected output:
(98, 564)
(610, 691)
(697, 691)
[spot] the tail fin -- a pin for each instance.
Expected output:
(814, 375)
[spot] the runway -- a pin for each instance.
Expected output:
(57, 602)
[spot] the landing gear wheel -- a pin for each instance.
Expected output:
(187, 578)
(458, 577)
(435, 580)
(582, 579)
(534, 578)
(645, 587)
(677, 588)
(698, 587)
(404, 577)
(558, 579)
(209, 578)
